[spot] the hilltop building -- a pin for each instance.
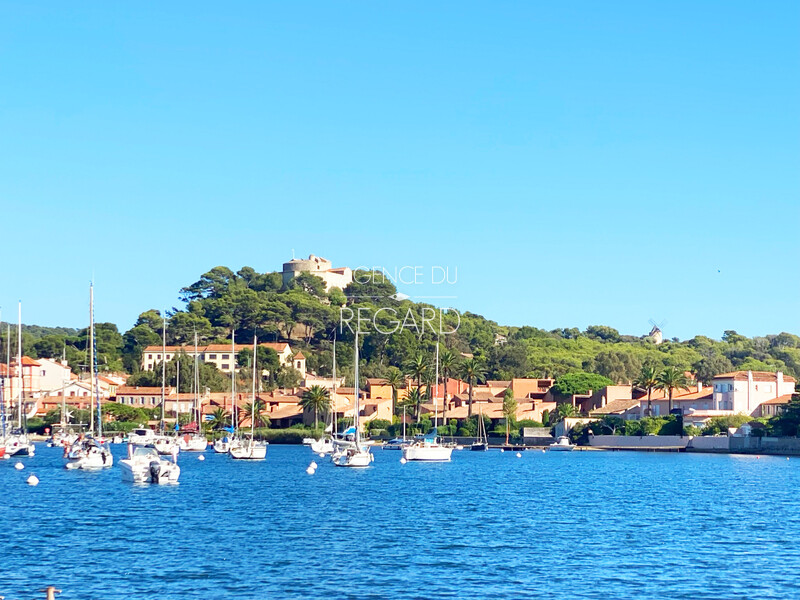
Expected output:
(321, 267)
(220, 355)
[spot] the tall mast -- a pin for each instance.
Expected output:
(8, 375)
(177, 392)
(436, 390)
(64, 390)
(355, 375)
(91, 358)
(196, 384)
(163, 366)
(234, 424)
(95, 383)
(253, 406)
(3, 379)
(19, 364)
(333, 394)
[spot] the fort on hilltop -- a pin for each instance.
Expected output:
(339, 277)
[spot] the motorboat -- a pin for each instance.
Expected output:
(142, 437)
(18, 444)
(428, 449)
(192, 442)
(144, 465)
(87, 453)
(323, 446)
(396, 444)
(61, 439)
(561, 445)
(308, 441)
(249, 449)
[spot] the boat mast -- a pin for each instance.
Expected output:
(355, 413)
(196, 385)
(234, 422)
(19, 364)
(333, 393)
(3, 395)
(91, 359)
(436, 390)
(95, 382)
(253, 406)
(177, 392)
(163, 367)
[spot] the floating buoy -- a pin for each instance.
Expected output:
(501, 450)
(201, 457)
(403, 461)
(543, 450)
(322, 455)
(19, 466)
(519, 454)
(310, 471)
(313, 464)
(32, 480)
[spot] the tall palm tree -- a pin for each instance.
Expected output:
(394, 378)
(261, 420)
(447, 362)
(417, 368)
(219, 418)
(415, 400)
(671, 379)
(471, 371)
(509, 409)
(648, 380)
(566, 409)
(316, 398)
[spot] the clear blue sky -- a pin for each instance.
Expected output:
(579, 163)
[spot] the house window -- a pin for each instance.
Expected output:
(298, 364)
(212, 357)
(226, 356)
(149, 356)
(225, 366)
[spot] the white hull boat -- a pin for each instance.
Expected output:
(144, 465)
(354, 458)
(19, 445)
(88, 454)
(323, 446)
(562, 445)
(249, 450)
(427, 452)
(194, 442)
(223, 445)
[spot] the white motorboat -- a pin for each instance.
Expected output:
(18, 444)
(142, 437)
(323, 446)
(87, 454)
(428, 449)
(249, 449)
(357, 456)
(193, 442)
(144, 465)
(561, 445)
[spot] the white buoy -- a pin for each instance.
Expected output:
(310, 471)
(322, 455)
(519, 455)
(32, 480)
(542, 450)
(19, 466)
(403, 461)
(201, 457)
(501, 450)
(313, 464)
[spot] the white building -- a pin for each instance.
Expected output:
(745, 391)
(340, 277)
(220, 355)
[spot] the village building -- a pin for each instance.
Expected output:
(222, 356)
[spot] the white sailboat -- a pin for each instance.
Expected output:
(249, 448)
(325, 444)
(18, 443)
(195, 441)
(357, 456)
(91, 452)
(482, 443)
(224, 444)
(163, 444)
(144, 465)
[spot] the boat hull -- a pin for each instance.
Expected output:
(479, 447)
(248, 452)
(355, 460)
(427, 453)
(136, 472)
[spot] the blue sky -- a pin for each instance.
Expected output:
(579, 163)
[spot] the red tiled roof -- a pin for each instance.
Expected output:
(757, 376)
(299, 355)
(779, 400)
(125, 390)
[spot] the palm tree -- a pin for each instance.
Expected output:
(260, 419)
(648, 380)
(219, 418)
(509, 409)
(671, 379)
(417, 368)
(318, 399)
(415, 399)
(394, 378)
(447, 362)
(565, 410)
(471, 371)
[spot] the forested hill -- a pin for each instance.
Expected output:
(307, 316)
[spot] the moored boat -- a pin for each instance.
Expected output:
(144, 465)
(87, 453)
(428, 449)
(561, 445)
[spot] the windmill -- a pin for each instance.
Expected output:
(655, 332)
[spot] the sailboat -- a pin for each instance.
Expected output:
(162, 443)
(224, 444)
(357, 456)
(90, 452)
(18, 443)
(250, 448)
(192, 438)
(325, 445)
(482, 443)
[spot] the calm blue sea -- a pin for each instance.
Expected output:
(487, 525)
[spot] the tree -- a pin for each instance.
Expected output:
(316, 398)
(414, 399)
(248, 412)
(447, 362)
(618, 365)
(647, 380)
(565, 409)
(706, 368)
(220, 418)
(417, 368)
(671, 379)
(509, 410)
(471, 371)
(602, 333)
(395, 379)
(579, 383)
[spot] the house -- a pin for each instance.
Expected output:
(321, 267)
(745, 391)
(773, 407)
(140, 396)
(222, 356)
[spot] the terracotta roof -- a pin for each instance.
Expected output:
(189, 349)
(299, 355)
(615, 407)
(376, 381)
(779, 400)
(757, 376)
(27, 361)
(124, 390)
